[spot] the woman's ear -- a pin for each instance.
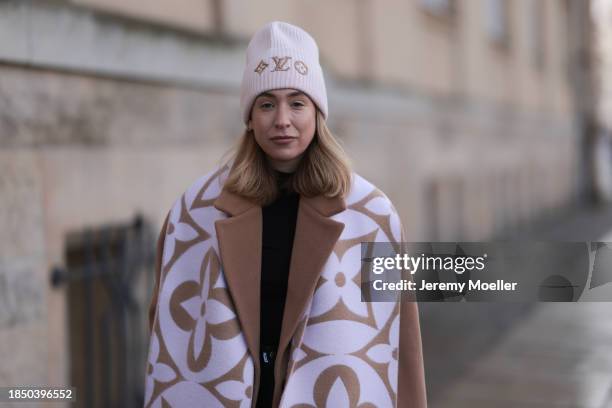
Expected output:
(249, 128)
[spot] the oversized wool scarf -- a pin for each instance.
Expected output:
(335, 350)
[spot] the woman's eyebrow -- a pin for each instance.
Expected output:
(291, 95)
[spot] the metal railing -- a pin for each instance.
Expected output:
(108, 280)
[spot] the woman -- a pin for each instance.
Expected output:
(257, 300)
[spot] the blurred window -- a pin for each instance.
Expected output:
(537, 21)
(496, 21)
(439, 8)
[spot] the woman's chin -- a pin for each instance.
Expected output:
(284, 156)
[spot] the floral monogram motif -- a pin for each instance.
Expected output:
(282, 64)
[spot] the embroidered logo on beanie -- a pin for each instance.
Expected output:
(281, 64)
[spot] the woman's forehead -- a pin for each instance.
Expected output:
(281, 93)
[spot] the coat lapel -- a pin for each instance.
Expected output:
(315, 237)
(239, 238)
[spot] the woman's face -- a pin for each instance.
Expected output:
(284, 123)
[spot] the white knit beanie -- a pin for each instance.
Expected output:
(281, 55)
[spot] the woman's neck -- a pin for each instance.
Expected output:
(285, 166)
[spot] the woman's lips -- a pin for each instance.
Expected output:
(283, 139)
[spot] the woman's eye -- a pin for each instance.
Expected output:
(266, 105)
(298, 104)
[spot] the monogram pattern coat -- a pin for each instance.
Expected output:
(335, 351)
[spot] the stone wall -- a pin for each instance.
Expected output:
(23, 312)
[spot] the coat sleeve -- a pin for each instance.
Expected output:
(411, 382)
(158, 266)
(411, 390)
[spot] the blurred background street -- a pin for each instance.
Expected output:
(480, 119)
(551, 355)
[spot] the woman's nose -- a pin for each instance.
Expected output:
(282, 117)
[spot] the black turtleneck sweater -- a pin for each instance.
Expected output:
(279, 220)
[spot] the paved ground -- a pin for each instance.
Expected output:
(559, 356)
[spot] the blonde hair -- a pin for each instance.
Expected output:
(324, 169)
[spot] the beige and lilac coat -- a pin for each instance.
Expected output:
(335, 351)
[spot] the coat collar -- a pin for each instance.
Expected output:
(234, 204)
(240, 246)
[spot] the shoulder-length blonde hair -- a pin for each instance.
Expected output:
(324, 169)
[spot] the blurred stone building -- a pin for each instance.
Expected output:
(602, 18)
(602, 13)
(473, 116)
